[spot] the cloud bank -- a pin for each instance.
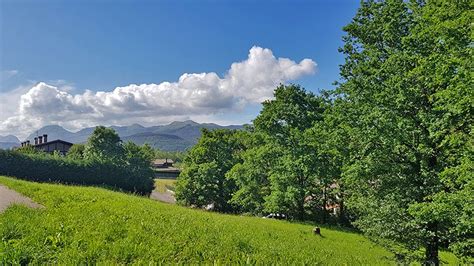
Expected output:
(199, 94)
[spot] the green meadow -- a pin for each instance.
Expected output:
(165, 184)
(93, 225)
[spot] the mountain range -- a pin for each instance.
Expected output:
(177, 136)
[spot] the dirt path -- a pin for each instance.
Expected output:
(9, 197)
(166, 196)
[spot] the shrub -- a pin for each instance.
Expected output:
(45, 168)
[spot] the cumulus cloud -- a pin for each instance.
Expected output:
(199, 94)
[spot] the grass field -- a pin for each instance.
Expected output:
(162, 184)
(94, 225)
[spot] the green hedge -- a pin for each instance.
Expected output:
(45, 168)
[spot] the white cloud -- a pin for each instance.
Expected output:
(199, 94)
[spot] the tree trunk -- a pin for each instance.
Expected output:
(342, 215)
(342, 210)
(325, 202)
(300, 206)
(432, 246)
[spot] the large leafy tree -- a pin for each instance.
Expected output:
(76, 152)
(104, 145)
(445, 62)
(203, 181)
(138, 156)
(407, 83)
(252, 174)
(330, 141)
(284, 120)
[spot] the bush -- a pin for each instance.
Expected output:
(45, 168)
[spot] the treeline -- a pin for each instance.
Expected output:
(390, 150)
(104, 161)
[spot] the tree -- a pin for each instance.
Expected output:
(252, 174)
(138, 156)
(76, 152)
(406, 81)
(29, 149)
(445, 62)
(104, 145)
(331, 145)
(284, 121)
(203, 180)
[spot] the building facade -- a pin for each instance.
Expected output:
(41, 143)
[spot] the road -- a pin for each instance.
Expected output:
(9, 197)
(166, 196)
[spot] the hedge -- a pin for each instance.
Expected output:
(45, 168)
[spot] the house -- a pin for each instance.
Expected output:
(41, 143)
(164, 169)
(162, 163)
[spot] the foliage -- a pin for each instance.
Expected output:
(138, 159)
(408, 88)
(203, 180)
(284, 121)
(82, 225)
(138, 156)
(47, 168)
(251, 177)
(76, 152)
(391, 148)
(104, 145)
(28, 149)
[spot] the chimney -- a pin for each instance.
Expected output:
(45, 138)
(36, 141)
(40, 139)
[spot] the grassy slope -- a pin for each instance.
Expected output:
(163, 184)
(83, 224)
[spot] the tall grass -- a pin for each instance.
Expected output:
(92, 225)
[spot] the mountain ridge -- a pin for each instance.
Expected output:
(175, 136)
(9, 138)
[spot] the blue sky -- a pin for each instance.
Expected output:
(75, 46)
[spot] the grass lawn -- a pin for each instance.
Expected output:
(94, 225)
(162, 184)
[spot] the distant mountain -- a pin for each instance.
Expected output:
(8, 142)
(8, 145)
(9, 138)
(161, 141)
(54, 132)
(130, 130)
(189, 129)
(176, 136)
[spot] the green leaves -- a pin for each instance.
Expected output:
(46, 168)
(104, 145)
(408, 136)
(203, 181)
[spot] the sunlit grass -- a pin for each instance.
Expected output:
(93, 225)
(162, 184)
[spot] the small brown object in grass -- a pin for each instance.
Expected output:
(317, 231)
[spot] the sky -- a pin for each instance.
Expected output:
(81, 63)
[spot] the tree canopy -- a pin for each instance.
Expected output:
(389, 151)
